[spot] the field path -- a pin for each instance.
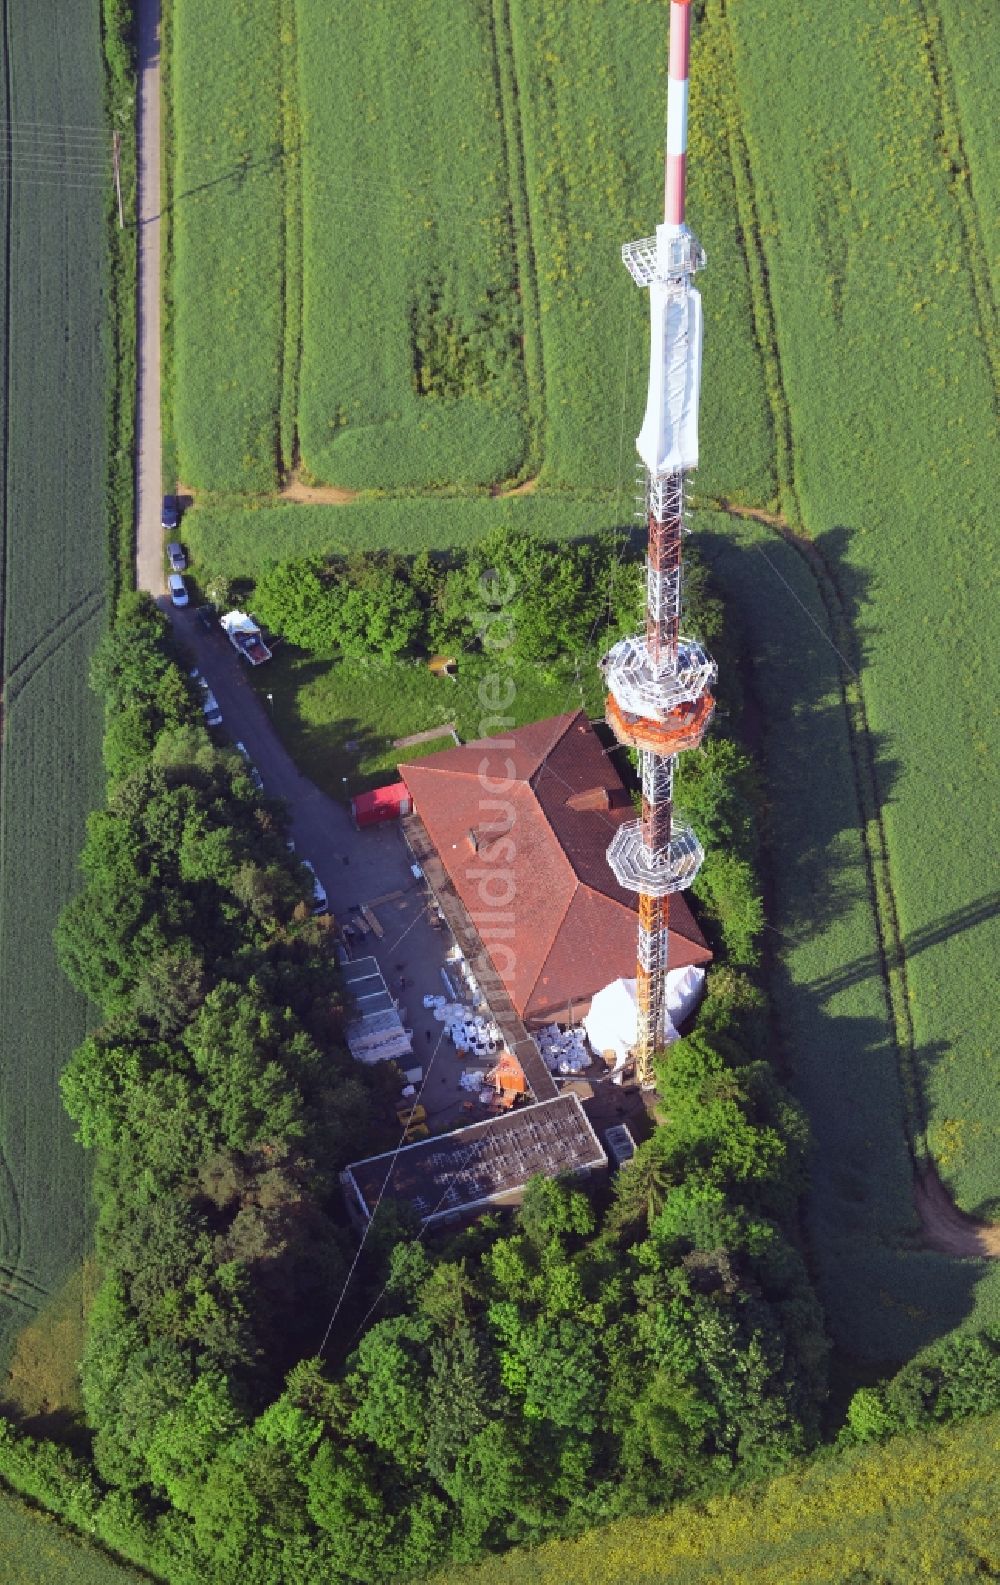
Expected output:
(948, 1229)
(148, 483)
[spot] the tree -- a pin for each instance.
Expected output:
(729, 887)
(378, 611)
(189, 1436)
(710, 1119)
(641, 1189)
(299, 600)
(247, 1054)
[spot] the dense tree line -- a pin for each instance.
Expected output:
(216, 1092)
(556, 598)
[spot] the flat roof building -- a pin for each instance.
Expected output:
(487, 1163)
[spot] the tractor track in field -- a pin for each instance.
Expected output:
(11, 1242)
(525, 262)
(43, 649)
(946, 1229)
(10, 1205)
(948, 136)
(8, 220)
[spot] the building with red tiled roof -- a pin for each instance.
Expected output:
(521, 824)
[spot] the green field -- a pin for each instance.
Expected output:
(918, 1511)
(228, 241)
(964, 61)
(54, 575)
(34, 1550)
(232, 542)
(868, 260)
(593, 134)
(412, 372)
(407, 272)
(883, 1293)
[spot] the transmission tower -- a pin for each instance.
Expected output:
(659, 683)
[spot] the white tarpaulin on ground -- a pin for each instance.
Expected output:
(668, 439)
(612, 1022)
(684, 991)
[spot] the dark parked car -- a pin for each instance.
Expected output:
(207, 616)
(177, 556)
(171, 515)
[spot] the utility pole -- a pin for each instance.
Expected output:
(116, 158)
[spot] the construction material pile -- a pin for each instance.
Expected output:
(563, 1050)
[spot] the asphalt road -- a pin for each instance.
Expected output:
(148, 483)
(354, 866)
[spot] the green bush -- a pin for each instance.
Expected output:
(953, 1379)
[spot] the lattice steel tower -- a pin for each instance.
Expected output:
(659, 684)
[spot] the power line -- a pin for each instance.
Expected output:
(823, 635)
(371, 1218)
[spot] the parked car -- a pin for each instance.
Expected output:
(209, 703)
(321, 902)
(252, 770)
(177, 556)
(210, 706)
(178, 589)
(207, 616)
(171, 514)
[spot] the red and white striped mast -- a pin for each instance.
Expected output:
(659, 683)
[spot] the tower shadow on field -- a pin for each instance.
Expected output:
(885, 1293)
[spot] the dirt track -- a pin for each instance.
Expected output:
(946, 1228)
(316, 494)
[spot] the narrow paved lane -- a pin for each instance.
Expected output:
(148, 539)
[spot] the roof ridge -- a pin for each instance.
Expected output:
(568, 720)
(553, 939)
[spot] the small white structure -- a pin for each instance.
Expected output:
(612, 1023)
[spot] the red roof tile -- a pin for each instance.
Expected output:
(521, 824)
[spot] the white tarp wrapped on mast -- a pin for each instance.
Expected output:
(668, 439)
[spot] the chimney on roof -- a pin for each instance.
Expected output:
(592, 798)
(474, 839)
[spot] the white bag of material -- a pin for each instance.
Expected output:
(684, 991)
